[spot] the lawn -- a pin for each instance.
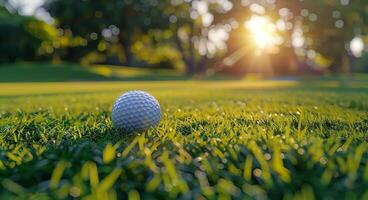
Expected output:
(217, 140)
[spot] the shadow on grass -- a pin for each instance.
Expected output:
(67, 72)
(59, 94)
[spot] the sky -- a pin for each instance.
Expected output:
(31, 7)
(28, 6)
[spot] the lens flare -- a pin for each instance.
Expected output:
(263, 31)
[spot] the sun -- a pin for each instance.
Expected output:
(263, 31)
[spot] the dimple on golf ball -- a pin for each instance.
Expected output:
(136, 111)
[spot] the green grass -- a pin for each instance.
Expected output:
(46, 72)
(217, 140)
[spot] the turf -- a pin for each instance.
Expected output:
(217, 140)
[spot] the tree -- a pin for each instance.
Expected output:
(22, 37)
(311, 30)
(134, 19)
(327, 28)
(194, 35)
(112, 22)
(78, 19)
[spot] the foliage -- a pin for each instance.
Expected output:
(21, 37)
(153, 49)
(217, 140)
(104, 24)
(81, 19)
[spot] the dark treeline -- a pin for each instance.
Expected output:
(200, 36)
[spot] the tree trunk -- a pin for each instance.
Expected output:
(191, 58)
(352, 60)
(126, 44)
(190, 65)
(188, 60)
(299, 65)
(202, 65)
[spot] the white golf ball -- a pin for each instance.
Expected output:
(136, 111)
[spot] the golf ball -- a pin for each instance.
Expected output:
(136, 111)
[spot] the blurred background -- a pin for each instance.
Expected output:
(67, 40)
